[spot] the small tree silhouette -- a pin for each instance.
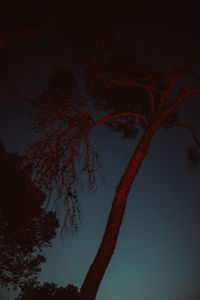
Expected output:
(47, 291)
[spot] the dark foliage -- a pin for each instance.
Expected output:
(47, 291)
(25, 227)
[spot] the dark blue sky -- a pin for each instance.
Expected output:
(158, 250)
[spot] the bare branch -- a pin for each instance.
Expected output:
(169, 88)
(16, 93)
(62, 157)
(124, 114)
(187, 94)
(161, 72)
(184, 125)
(183, 95)
(151, 96)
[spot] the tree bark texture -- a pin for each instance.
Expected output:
(98, 267)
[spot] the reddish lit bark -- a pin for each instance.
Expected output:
(97, 269)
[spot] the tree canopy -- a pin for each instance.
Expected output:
(25, 227)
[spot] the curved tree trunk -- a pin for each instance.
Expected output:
(97, 269)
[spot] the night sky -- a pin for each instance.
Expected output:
(158, 251)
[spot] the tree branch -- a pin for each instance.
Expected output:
(108, 79)
(169, 89)
(184, 125)
(183, 94)
(189, 93)
(15, 92)
(124, 114)
(95, 123)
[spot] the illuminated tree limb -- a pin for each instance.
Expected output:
(124, 114)
(183, 95)
(169, 89)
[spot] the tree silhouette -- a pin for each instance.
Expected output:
(47, 291)
(25, 227)
(135, 98)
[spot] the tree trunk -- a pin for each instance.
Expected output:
(97, 269)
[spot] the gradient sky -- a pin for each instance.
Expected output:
(158, 250)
